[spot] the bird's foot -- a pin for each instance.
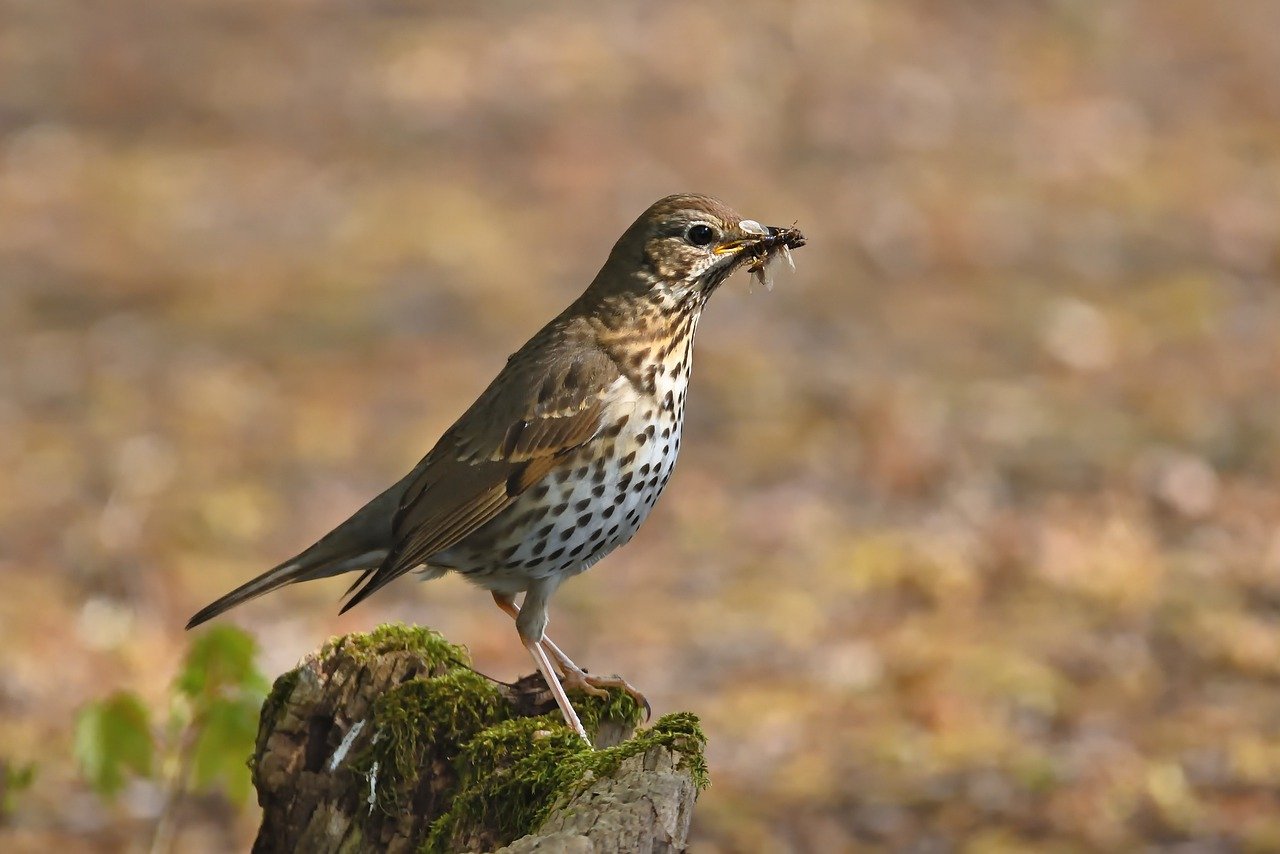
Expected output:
(577, 679)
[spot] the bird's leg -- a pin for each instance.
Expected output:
(568, 670)
(574, 678)
(531, 623)
(557, 690)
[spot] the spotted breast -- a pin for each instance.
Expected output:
(598, 497)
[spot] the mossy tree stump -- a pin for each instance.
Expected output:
(390, 742)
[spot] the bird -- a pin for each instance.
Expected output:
(562, 457)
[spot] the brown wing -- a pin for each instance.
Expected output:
(537, 410)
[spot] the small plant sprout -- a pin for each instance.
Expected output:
(210, 730)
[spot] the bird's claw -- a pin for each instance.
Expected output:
(597, 686)
(580, 682)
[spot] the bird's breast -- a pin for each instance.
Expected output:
(595, 499)
(600, 493)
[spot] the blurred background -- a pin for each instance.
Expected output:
(975, 540)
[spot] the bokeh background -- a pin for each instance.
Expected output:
(975, 542)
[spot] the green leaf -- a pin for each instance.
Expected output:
(225, 741)
(14, 780)
(113, 736)
(224, 692)
(221, 660)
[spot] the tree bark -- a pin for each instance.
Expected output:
(647, 805)
(390, 742)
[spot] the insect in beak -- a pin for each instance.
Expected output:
(764, 249)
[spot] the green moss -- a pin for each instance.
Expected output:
(281, 691)
(680, 732)
(513, 774)
(422, 717)
(449, 740)
(618, 707)
(397, 637)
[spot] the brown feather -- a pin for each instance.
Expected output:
(510, 445)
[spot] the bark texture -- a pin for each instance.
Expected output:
(647, 805)
(390, 742)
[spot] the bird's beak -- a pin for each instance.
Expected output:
(760, 238)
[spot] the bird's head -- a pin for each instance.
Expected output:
(684, 246)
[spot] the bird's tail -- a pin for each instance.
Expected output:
(361, 542)
(285, 573)
(304, 567)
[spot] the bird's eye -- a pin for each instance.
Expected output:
(700, 234)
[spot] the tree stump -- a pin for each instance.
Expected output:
(390, 742)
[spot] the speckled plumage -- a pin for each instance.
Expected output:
(599, 493)
(561, 458)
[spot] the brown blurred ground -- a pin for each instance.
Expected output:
(975, 544)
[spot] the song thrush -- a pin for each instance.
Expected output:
(562, 457)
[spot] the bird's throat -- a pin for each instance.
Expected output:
(654, 350)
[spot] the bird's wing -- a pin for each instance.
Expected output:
(535, 412)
